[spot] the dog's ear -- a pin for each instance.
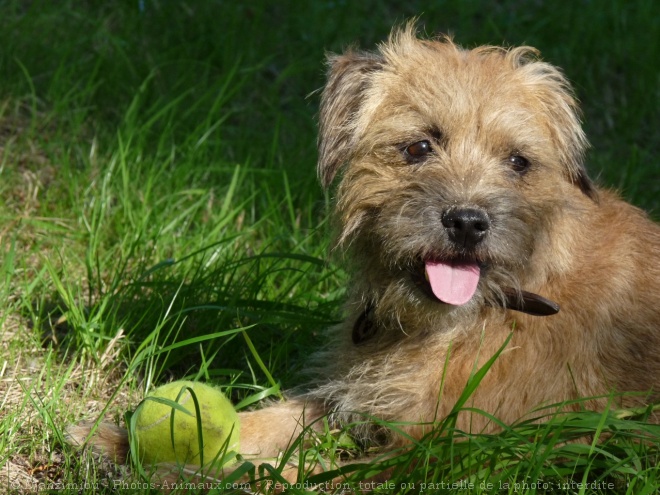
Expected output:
(583, 181)
(558, 100)
(572, 141)
(349, 77)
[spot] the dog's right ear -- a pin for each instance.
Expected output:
(349, 77)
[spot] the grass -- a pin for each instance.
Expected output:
(160, 218)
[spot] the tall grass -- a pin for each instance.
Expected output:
(160, 214)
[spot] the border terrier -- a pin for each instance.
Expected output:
(469, 224)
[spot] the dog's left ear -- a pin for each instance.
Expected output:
(558, 100)
(349, 77)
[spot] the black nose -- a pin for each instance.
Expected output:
(466, 227)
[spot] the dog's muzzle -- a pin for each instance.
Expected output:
(454, 281)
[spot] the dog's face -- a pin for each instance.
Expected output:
(454, 164)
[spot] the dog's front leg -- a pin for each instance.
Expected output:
(267, 432)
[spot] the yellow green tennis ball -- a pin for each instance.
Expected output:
(153, 432)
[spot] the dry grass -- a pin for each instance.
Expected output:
(37, 386)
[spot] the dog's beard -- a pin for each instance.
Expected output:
(403, 259)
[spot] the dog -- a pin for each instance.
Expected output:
(469, 226)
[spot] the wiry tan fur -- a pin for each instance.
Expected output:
(552, 233)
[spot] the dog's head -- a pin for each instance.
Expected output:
(452, 162)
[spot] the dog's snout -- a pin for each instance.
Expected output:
(466, 227)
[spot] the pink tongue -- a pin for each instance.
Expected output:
(453, 283)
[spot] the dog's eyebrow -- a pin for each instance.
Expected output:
(436, 133)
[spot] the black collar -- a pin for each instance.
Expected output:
(525, 302)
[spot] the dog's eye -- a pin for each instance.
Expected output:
(518, 163)
(417, 152)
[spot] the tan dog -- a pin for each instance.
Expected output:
(466, 215)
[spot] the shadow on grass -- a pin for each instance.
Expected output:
(213, 315)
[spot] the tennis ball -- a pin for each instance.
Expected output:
(153, 432)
